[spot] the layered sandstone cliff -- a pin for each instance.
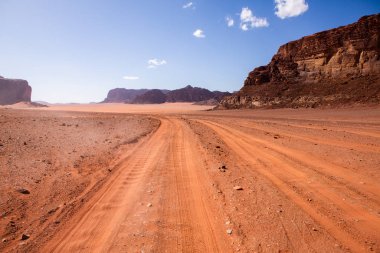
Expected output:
(330, 67)
(14, 91)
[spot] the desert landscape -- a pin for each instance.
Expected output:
(287, 161)
(282, 180)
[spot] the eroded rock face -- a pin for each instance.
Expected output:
(343, 52)
(150, 97)
(14, 90)
(121, 95)
(337, 56)
(189, 94)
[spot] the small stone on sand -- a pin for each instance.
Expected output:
(25, 237)
(23, 191)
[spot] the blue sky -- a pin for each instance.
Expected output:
(77, 50)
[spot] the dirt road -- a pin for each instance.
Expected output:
(238, 181)
(155, 202)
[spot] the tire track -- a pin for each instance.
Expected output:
(342, 175)
(118, 218)
(281, 173)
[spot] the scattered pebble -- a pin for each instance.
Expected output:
(149, 205)
(53, 210)
(25, 237)
(238, 188)
(229, 231)
(4, 240)
(23, 191)
(223, 168)
(314, 229)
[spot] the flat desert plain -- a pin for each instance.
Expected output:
(179, 178)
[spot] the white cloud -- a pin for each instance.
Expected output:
(188, 5)
(230, 21)
(249, 21)
(290, 8)
(199, 34)
(131, 77)
(154, 63)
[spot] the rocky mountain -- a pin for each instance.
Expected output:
(14, 91)
(330, 68)
(219, 95)
(189, 94)
(150, 97)
(121, 95)
(156, 96)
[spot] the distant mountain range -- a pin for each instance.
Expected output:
(121, 95)
(156, 96)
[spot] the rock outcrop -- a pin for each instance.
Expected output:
(156, 96)
(150, 97)
(333, 67)
(189, 94)
(121, 95)
(14, 91)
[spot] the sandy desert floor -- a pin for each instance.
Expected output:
(175, 179)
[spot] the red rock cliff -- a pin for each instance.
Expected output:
(14, 90)
(346, 55)
(343, 52)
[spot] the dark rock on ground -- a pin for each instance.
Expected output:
(25, 237)
(23, 191)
